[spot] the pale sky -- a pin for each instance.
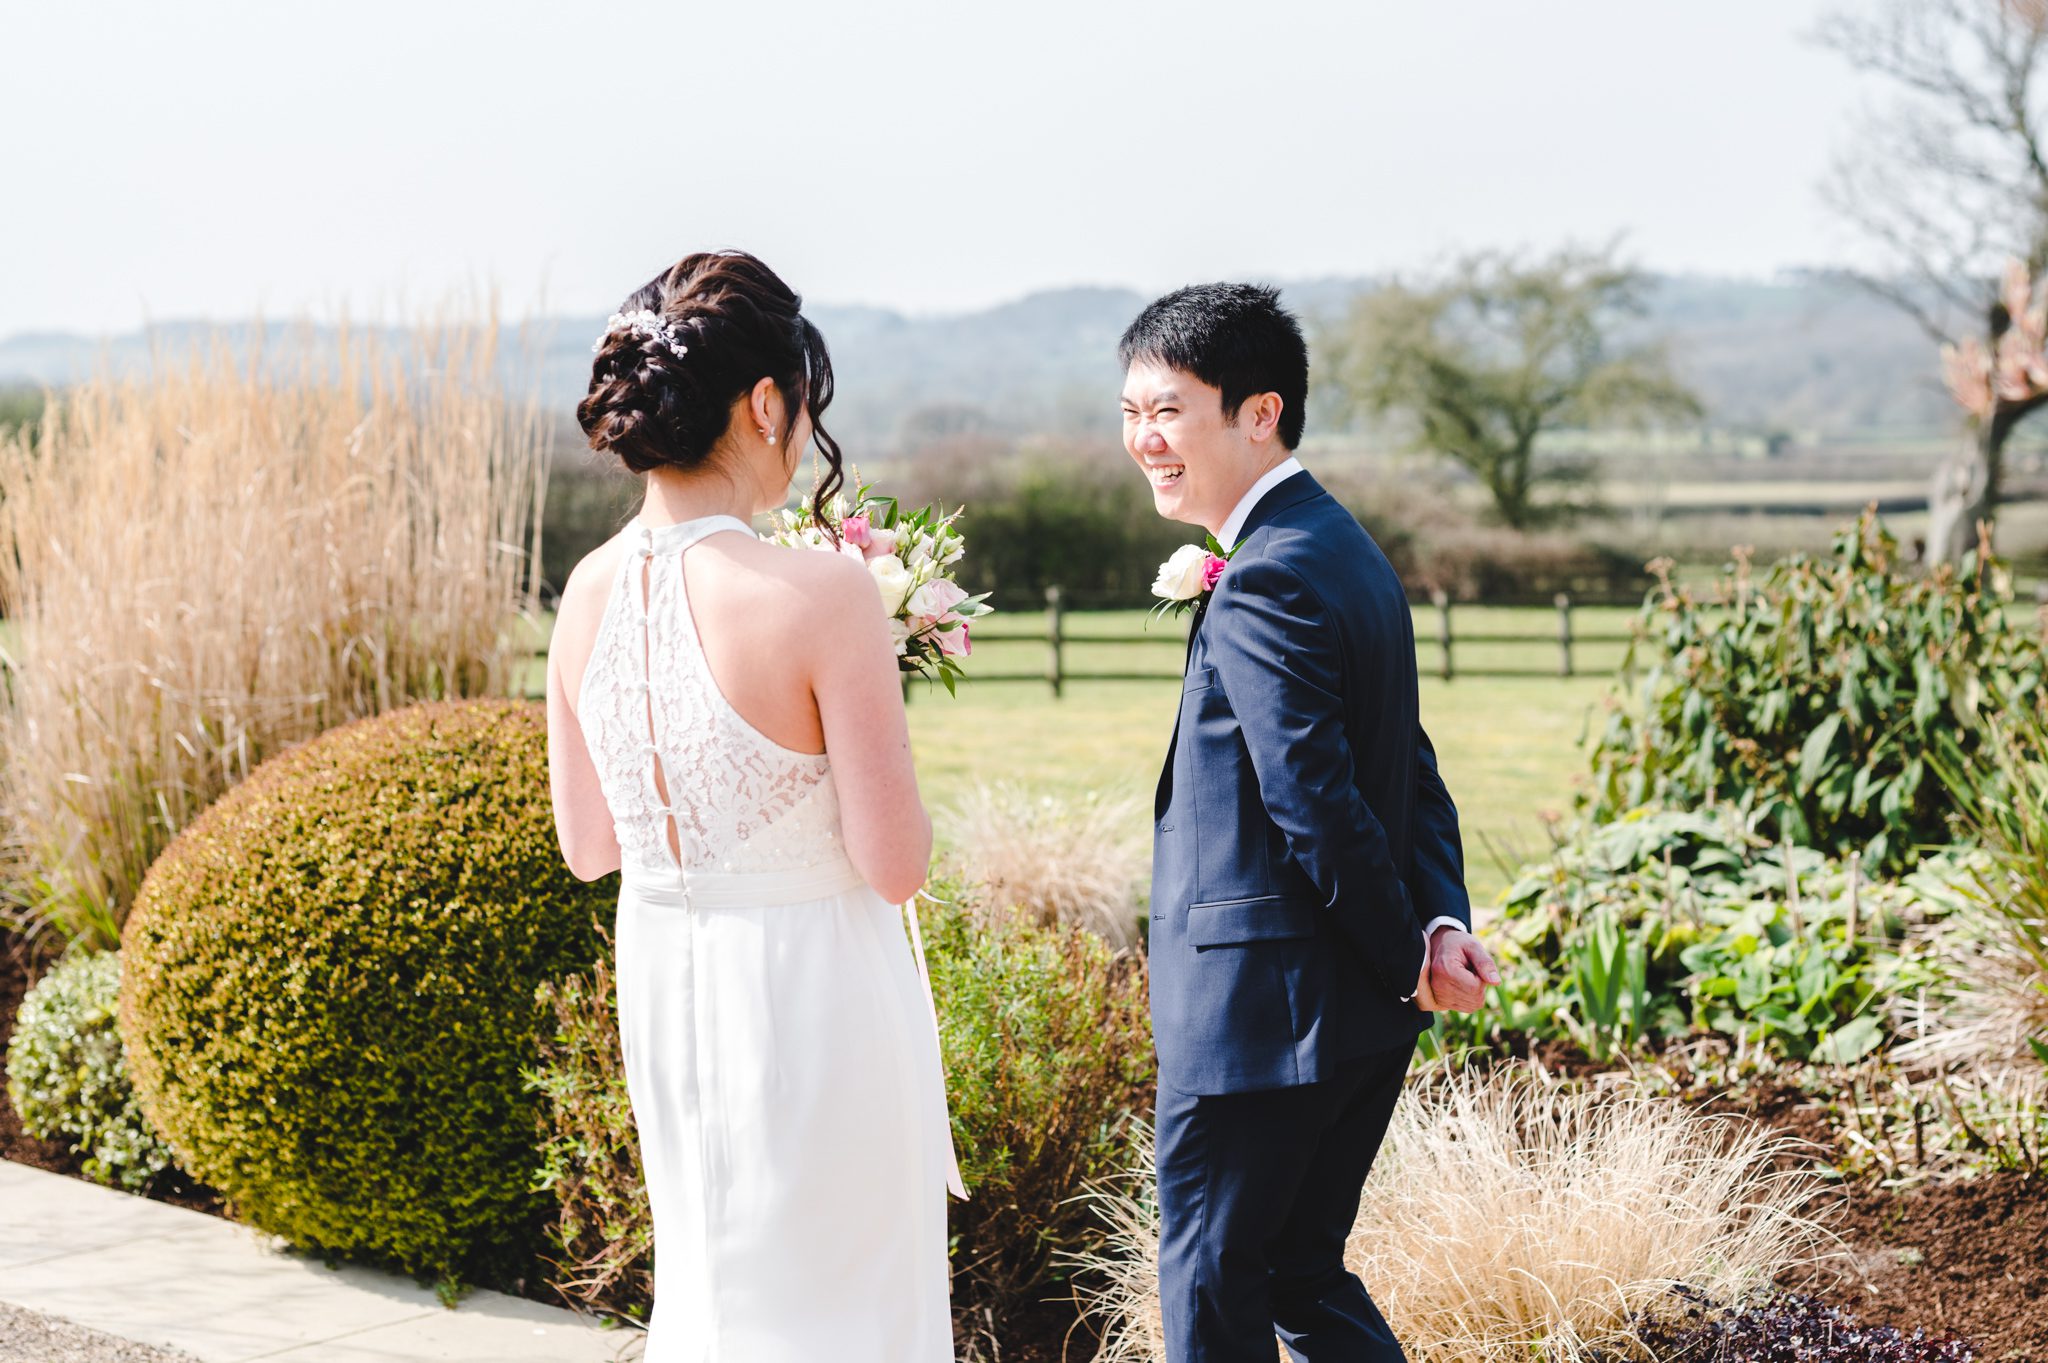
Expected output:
(209, 160)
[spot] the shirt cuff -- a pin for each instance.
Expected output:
(1434, 923)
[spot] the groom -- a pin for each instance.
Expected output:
(1302, 838)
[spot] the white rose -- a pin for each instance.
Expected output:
(899, 630)
(1180, 577)
(892, 579)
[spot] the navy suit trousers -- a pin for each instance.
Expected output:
(1258, 1191)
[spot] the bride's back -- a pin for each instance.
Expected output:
(706, 675)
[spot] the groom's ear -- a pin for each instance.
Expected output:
(1259, 416)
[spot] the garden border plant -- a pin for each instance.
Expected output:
(1816, 694)
(330, 988)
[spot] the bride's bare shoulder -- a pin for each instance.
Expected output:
(820, 588)
(583, 595)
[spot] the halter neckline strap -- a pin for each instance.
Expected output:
(680, 534)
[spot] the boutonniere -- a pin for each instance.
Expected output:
(1189, 576)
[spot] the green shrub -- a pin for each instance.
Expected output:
(1669, 921)
(1048, 1052)
(1048, 1048)
(330, 988)
(603, 1236)
(1816, 696)
(67, 1076)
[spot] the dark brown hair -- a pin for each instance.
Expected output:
(738, 323)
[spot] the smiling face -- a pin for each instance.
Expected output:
(1198, 463)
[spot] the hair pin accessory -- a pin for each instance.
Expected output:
(647, 323)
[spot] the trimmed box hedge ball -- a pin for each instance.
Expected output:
(329, 988)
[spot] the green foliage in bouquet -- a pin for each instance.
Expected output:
(912, 557)
(1816, 696)
(1670, 921)
(68, 1077)
(329, 988)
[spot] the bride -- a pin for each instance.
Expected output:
(726, 730)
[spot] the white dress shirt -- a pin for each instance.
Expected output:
(1227, 537)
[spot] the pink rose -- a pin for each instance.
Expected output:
(1212, 569)
(936, 598)
(854, 530)
(880, 542)
(954, 643)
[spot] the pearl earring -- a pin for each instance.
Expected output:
(769, 436)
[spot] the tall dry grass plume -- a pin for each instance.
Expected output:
(1076, 862)
(212, 563)
(1510, 1216)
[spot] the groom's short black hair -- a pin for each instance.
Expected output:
(1235, 337)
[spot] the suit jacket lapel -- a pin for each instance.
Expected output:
(1165, 790)
(1290, 492)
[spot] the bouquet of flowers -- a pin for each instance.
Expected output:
(910, 555)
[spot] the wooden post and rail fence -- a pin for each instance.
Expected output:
(1443, 651)
(1437, 649)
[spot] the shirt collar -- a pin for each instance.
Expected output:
(1270, 479)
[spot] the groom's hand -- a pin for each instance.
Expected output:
(1459, 968)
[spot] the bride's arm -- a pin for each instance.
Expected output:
(859, 691)
(583, 821)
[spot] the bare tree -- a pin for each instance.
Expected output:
(1951, 184)
(1500, 353)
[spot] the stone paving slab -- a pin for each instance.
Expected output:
(174, 1278)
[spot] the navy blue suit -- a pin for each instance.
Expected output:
(1302, 839)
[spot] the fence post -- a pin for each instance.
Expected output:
(1564, 634)
(1442, 599)
(1055, 670)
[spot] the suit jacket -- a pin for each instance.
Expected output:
(1302, 835)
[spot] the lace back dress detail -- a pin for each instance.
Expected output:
(738, 801)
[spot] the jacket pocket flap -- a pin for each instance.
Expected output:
(1265, 918)
(1198, 679)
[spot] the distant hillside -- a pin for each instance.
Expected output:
(1804, 357)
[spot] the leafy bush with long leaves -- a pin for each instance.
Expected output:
(1816, 696)
(1669, 921)
(1996, 1005)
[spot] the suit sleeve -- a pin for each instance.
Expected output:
(1277, 656)
(1436, 882)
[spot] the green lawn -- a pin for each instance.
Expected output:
(1508, 746)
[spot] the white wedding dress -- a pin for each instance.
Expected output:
(780, 1051)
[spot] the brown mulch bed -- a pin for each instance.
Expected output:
(1969, 1257)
